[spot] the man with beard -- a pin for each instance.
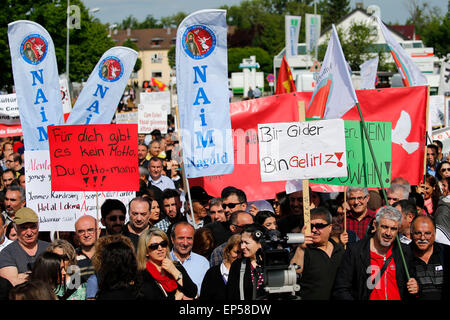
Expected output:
(372, 268)
(113, 213)
(431, 261)
(14, 200)
(171, 209)
(142, 155)
(139, 214)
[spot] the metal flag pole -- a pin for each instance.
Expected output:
(183, 172)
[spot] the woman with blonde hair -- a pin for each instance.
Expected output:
(216, 278)
(162, 277)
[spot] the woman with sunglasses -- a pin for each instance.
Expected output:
(163, 278)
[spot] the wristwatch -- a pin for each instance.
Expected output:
(180, 276)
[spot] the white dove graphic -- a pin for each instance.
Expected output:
(402, 131)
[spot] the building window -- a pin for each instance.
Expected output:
(157, 58)
(157, 74)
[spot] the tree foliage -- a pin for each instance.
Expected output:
(130, 44)
(235, 56)
(87, 44)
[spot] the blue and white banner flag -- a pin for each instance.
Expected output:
(104, 88)
(202, 80)
(369, 73)
(292, 31)
(36, 80)
(312, 27)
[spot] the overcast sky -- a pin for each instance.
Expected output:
(116, 10)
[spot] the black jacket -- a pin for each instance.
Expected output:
(233, 291)
(351, 278)
(213, 285)
(152, 291)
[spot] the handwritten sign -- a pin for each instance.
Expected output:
(153, 111)
(360, 165)
(58, 210)
(126, 117)
(302, 150)
(94, 157)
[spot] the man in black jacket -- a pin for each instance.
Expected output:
(372, 268)
(431, 261)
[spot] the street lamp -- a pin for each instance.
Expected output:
(111, 27)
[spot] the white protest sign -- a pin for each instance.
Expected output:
(57, 210)
(153, 110)
(437, 110)
(302, 150)
(126, 117)
(9, 110)
(444, 136)
(65, 96)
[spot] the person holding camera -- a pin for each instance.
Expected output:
(318, 257)
(246, 279)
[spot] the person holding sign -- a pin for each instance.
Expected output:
(318, 257)
(372, 269)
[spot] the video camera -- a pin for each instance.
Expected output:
(280, 277)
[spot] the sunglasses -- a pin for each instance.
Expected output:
(445, 169)
(155, 246)
(115, 218)
(230, 205)
(393, 199)
(319, 226)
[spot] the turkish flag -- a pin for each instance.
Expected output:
(285, 81)
(405, 108)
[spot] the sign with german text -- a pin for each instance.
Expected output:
(94, 157)
(360, 165)
(59, 210)
(302, 150)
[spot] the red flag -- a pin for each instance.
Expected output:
(161, 86)
(285, 81)
(403, 107)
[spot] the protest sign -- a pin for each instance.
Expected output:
(437, 113)
(94, 157)
(126, 117)
(65, 96)
(9, 116)
(302, 150)
(58, 211)
(153, 110)
(360, 166)
(443, 135)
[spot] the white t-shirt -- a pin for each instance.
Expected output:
(5, 243)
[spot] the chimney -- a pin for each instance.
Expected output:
(128, 32)
(168, 30)
(359, 5)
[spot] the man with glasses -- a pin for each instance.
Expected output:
(17, 259)
(86, 231)
(431, 261)
(318, 257)
(238, 220)
(372, 268)
(359, 215)
(113, 214)
(396, 193)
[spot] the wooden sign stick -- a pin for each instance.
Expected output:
(305, 182)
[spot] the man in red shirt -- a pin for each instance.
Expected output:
(358, 215)
(372, 268)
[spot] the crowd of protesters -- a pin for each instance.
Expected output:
(157, 247)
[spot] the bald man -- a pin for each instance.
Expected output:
(87, 231)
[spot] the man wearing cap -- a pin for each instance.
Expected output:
(17, 259)
(200, 204)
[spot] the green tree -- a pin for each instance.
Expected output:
(235, 56)
(174, 20)
(87, 44)
(332, 11)
(171, 56)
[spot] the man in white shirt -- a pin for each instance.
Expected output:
(155, 168)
